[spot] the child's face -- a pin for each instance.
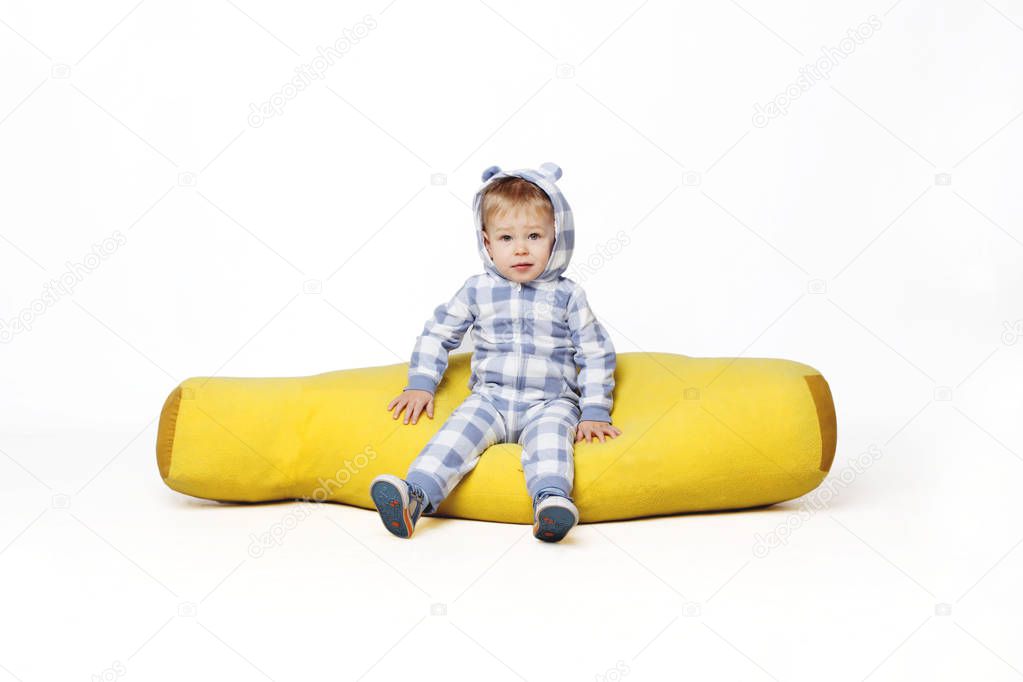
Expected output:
(521, 235)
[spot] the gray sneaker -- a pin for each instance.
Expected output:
(553, 517)
(399, 502)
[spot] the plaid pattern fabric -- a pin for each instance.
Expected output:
(546, 431)
(534, 341)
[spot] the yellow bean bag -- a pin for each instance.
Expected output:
(697, 434)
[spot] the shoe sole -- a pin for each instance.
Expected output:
(393, 512)
(553, 524)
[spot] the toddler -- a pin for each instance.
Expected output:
(542, 367)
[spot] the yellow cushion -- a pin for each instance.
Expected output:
(698, 434)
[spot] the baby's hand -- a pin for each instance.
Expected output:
(415, 400)
(587, 430)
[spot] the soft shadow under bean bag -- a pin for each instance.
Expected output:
(698, 434)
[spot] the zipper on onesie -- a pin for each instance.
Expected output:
(517, 338)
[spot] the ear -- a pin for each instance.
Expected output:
(490, 172)
(552, 171)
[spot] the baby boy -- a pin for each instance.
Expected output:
(542, 367)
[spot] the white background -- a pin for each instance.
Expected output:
(873, 231)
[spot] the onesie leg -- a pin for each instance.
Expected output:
(455, 449)
(548, 446)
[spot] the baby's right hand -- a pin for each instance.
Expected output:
(415, 400)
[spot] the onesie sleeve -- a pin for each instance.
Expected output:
(441, 334)
(594, 357)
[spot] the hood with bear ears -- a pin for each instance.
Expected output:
(544, 177)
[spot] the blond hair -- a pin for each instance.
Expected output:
(507, 193)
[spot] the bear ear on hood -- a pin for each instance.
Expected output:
(490, 172)
(551, 171)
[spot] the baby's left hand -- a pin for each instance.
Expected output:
(587, 430)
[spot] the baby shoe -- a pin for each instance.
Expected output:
(399, 502)
(553, 516)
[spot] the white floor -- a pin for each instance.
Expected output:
(910, 570)
(871, 230)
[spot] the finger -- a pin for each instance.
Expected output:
(391, 404)
(416, 412)
(601, 434)
(429, 409)
(398, 408)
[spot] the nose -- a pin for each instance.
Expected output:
(521, 247)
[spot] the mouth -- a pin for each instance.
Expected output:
(522, 266)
